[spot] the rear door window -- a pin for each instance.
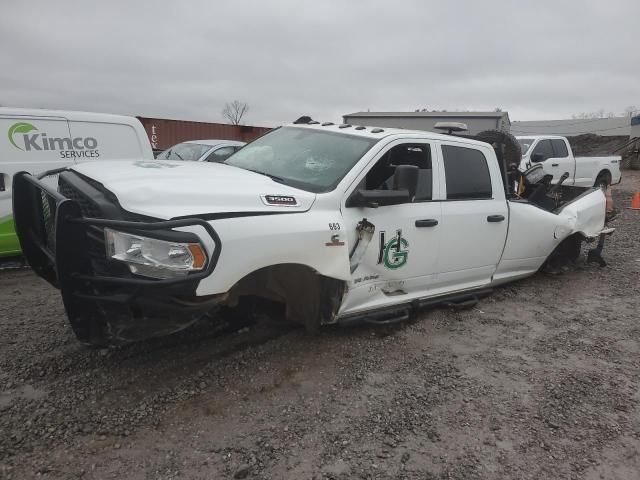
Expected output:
(559, 148)
(466, 173)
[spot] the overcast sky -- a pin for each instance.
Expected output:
(185, 59)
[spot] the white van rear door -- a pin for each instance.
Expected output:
(32, 144)
(103, 140)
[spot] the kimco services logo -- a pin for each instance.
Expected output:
(21, 136)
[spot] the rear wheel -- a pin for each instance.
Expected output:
(603, 180)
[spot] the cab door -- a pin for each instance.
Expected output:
(400, 262)
(555, 159)
(475, 217)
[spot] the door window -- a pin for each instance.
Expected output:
(380, 177)
(466, 172)
(559, 149)
(221, 154)
(545, 149)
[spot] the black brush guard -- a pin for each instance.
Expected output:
(105, 303)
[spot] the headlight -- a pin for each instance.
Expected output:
(154, 258)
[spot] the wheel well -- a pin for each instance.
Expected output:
(567, 250)
(311, 299)
(604, 171)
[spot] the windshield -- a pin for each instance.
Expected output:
(184, 151)
(525, 144)
(304, 158)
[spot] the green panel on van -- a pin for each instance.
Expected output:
(9, 244)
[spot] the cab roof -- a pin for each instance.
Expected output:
(213, 142)
(383, 132)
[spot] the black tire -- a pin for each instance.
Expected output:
(603, 180)
(512, 150)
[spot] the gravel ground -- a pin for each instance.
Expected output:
(539, 380)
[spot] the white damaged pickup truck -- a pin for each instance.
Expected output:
(342, 224)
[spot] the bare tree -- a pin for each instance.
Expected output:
(589, 115)
(234, 111)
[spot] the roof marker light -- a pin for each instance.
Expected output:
(377, 130)
(360, 127)
(344, 125)
(326, 124)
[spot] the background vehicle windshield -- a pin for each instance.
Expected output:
(525, 144)
(309, 159)
(184, 151)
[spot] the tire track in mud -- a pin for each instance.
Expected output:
(71, 389)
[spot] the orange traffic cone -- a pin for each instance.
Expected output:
(635, 201)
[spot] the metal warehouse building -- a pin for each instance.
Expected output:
(476, 121)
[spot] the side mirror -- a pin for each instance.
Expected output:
(406, 178)
(537, 157)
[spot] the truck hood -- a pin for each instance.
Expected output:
(166, 189)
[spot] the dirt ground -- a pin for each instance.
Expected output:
(540, 380)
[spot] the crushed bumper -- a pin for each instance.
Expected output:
(105, 303)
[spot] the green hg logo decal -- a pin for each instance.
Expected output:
(395, 252)
(20, 127)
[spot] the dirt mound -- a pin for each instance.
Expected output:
(595, 145)
(592, 145)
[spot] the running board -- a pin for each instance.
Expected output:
(407, 311)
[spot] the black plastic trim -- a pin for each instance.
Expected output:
(223, 215)
(404, 311)
(429, 222)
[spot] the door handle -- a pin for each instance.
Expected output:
(431, 222)
(495, 218)
(555, 164)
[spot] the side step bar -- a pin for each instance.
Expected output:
(408, 311)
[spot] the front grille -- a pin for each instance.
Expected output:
(48, 211)
(95, 243)
(87, 207)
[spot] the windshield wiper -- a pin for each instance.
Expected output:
(275, 178)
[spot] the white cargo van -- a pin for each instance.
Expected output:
(36, 140)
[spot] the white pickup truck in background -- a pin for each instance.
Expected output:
(555, 155)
